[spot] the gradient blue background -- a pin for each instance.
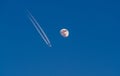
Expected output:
(92, 49)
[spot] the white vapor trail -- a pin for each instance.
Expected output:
(39, 29)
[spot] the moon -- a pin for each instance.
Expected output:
(64, 32)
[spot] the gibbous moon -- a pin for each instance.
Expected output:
(64, 32)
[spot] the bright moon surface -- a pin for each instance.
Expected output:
(64, 32)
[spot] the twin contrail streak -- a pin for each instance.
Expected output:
(39, 29)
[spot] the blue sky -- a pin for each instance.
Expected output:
(92, 49)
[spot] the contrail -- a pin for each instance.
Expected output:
(39, 29)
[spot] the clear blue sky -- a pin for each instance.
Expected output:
(92, 49)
